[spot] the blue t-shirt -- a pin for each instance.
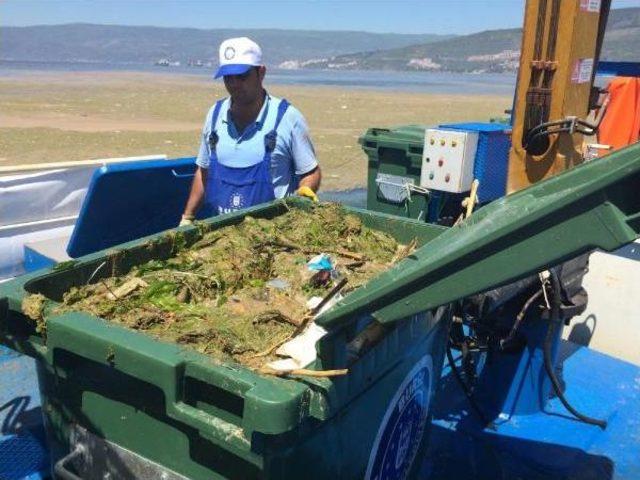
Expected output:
(293, 156)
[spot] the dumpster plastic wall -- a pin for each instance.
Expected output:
(206, 419)
(395, 161)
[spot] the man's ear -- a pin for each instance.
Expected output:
(262, 70)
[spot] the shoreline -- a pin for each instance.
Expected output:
(24, 65)
(436, 82)
(68, 116)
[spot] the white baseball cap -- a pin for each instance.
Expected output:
(237, 55)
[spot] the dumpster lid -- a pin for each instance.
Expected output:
(594, 205)
(396, 137)
(130, 200)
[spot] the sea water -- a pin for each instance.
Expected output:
(422, 82)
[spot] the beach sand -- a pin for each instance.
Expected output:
(67, 116)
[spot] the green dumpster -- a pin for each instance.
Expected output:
(118, 401)
(394, 166)
(122, 402)
(503, 119)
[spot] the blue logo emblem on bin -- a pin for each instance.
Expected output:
(236, 201)
(403, 425)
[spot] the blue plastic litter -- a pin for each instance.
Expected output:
(320, 262)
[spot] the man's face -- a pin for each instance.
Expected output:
(246, 88)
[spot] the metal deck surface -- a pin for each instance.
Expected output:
(551, 444)
(22, 441)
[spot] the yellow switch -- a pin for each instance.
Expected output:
(442, 142)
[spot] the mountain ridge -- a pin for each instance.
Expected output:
(486, 51)
(81, 42)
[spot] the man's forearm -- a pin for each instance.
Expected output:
(197, 193)
(311, 179)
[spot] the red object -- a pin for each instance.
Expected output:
(320, 278)
(621, 123)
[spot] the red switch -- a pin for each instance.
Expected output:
(447, 177)
(440, 162)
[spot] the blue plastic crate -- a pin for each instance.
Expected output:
(492, 157)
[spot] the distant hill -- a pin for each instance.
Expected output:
(145, 45)
(488, 51)
(622, 37)
(448, 55)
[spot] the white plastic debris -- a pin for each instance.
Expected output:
(300, 351)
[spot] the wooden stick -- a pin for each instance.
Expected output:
(303, 323)
(332, 293)
(405, 251)
(351, 255)
(303, 371)
(356, 264)
(110, 294)
(473, 198)
(276, 316)
(189, 274)
(283, 242)
(469, 202)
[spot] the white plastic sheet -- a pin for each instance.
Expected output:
(43, 205)
(38, 206)
(45, 195)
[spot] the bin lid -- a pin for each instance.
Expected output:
(130, 200)
(593, 205)
(396, 137)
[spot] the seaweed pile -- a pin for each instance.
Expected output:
(239, 290)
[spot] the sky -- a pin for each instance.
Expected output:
(394, 16)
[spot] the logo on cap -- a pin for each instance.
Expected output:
(229, 53)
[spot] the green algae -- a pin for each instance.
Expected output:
(217, 296)
(66, 265)
(34, 306)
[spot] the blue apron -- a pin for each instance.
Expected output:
(233, 188)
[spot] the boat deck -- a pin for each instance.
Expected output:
(23, 453)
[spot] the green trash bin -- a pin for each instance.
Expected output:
(504, 120)
(119, 401)
(394, 166)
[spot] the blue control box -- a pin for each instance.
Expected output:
(492, 157)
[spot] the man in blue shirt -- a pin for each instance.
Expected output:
(255, 147)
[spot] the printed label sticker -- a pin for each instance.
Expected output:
(592, 6)
(582, 70)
